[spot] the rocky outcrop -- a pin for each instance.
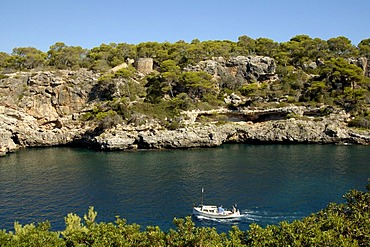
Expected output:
(331, 129)
(22, 130)
(361, 62)
(37, 108)
(48, 95)
(251, 68)
(19, 129)
(255, 68)
(43, 108)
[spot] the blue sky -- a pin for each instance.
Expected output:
(42, 23)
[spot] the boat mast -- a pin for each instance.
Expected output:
(201, 197)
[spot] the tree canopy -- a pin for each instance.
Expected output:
(309, 70)
(296, 51)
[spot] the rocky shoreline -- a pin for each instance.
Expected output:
(44, 108)
(19, 130)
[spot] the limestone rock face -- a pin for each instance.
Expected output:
(48, 95)
(36, 108)
(332, 129)
(19, 129)
(42, 108)
(256, 68)
(205, 136)
(117, 140)
(361, 62)
(251, 68)
(295, 131)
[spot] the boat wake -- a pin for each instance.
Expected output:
(261, 217)
(265, 217)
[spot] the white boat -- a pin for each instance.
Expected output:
(214, 212)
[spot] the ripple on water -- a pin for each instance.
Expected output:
(270, 183)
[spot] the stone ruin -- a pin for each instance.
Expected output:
(144, 65)
(124, 65)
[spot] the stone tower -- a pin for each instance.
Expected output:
(144, 65)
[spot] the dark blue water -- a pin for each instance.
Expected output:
(270, 183)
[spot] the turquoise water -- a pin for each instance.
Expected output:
(270, 183)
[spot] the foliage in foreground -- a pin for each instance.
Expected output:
(338, 225)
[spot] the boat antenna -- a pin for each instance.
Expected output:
(201, 198)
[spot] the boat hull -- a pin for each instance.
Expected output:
(212, 212)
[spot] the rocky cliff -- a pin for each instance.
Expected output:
(38, 108)
(329, 129)
(251, 68)
(43, 108)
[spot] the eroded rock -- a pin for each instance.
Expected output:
(44, 109)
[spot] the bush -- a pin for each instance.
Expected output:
(108, 119)
(126, 73)
(360, 122)
(31, 235)
(249, 90)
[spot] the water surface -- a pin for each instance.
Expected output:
(270, 183)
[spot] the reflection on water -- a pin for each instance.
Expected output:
(270, 183)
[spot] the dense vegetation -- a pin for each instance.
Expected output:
(310, 71)
(338, 225)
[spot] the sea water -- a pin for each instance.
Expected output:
(269, 183)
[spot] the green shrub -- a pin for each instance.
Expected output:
(249, 89)
(3, 76)
(360, 122)
(126, 73)
(108, 119)
(87, 116)
(31, 235)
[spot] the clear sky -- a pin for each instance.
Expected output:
(89, 23)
